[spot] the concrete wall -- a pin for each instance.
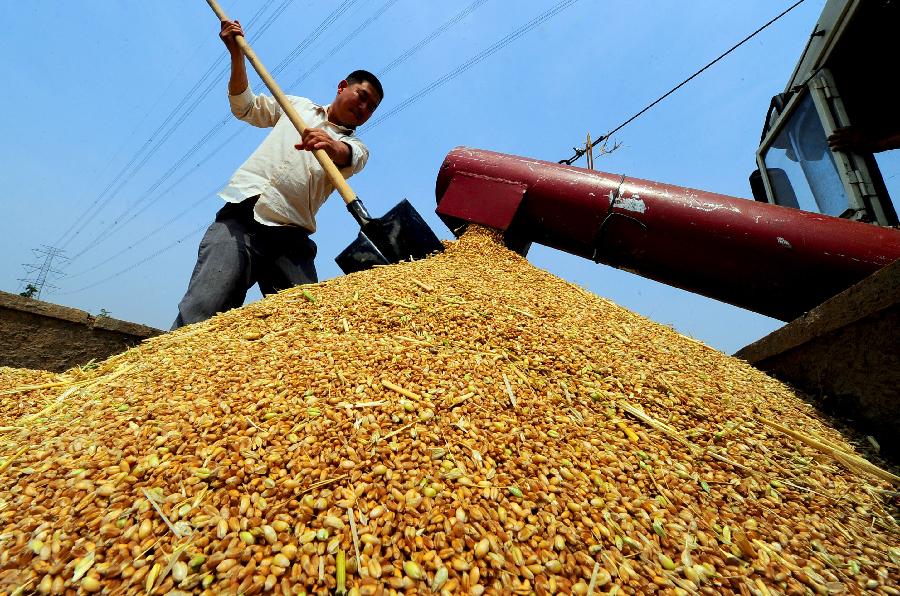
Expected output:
(845, 353)
(40, 335)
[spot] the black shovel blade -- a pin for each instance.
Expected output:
(400, 235)
(360, 255)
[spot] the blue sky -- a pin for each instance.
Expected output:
(88, 83)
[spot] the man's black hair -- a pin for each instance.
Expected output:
(361, 76)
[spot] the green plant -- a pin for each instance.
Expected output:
(30, 291)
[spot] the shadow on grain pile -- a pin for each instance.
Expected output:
(463, 424)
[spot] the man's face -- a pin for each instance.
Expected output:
(355, 103)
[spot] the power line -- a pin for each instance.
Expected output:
(184, 176)
(108, 232)
(166, 120)
(137, 127)
(216, 129)
(156, 103)
(91, 243)
(442, 80)
(393, 64)
(497, 46)
(430, 37)
(295, 53)
(313, 36)
(174, 218)
(193, 232)
(353, 35)
(130, 168)
(174, 127)
(580, 152)
(341, 44)
(147, 236)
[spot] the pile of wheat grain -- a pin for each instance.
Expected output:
(463, 424)
(33, 386)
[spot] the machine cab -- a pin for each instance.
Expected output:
(844, 78)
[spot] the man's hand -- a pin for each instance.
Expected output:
(853, 139)
(237, 82)
(316, 138)
(231, 29)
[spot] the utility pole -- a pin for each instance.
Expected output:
(40, 272)
(589, 151)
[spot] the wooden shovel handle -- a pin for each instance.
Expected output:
(337, 179)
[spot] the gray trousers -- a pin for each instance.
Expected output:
(236, 252)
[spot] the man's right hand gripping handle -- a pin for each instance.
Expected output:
(238, 81)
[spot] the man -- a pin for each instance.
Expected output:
(262, 234)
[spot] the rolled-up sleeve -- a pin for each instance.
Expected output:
(259, 110)
(359, 157)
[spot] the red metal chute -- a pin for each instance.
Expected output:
(773, 260)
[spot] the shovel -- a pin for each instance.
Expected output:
(400, 235)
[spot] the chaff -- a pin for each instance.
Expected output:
(851, 461)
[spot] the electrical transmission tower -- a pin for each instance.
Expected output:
(39, 273)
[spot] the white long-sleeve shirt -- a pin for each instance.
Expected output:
(290, 183)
